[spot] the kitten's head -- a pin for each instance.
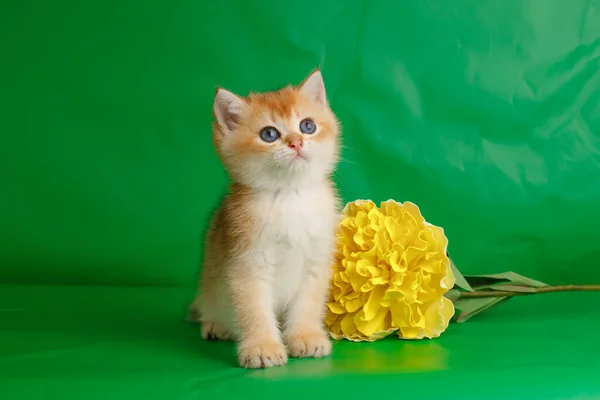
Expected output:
(276, 139)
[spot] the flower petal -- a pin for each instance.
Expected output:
(348, 326)
(375, 324)
(410, 332)
(336, 308)
(353, 305)
(437, 317)
(373, 305)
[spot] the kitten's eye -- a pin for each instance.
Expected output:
(307, 126)
(269, 134)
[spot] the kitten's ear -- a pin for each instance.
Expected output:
(314, 88)
(228, 109)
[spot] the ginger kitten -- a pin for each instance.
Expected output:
(269, 248)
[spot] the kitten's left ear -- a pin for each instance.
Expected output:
(314, 88)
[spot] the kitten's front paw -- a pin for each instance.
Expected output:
(314, 344)
(262, 355)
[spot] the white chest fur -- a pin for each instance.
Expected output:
(295, 238)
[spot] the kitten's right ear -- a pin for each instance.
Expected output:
(228, 109)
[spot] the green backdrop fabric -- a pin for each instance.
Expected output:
(484, 113)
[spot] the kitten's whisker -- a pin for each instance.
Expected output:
(347, 161)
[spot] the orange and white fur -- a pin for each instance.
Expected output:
(270, 245)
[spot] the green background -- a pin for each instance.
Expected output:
(484, 113)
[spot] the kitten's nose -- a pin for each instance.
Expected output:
(296, 144)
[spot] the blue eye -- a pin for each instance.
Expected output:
(269, 134)
(307, 126)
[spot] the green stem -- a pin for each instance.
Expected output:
(545, 289)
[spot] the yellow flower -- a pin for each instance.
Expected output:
(391, 274)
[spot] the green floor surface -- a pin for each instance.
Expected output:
(114, 343)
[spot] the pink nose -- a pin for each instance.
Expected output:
(296, 144)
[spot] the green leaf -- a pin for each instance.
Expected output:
(509, 281)
(468, 308)
(460, 280)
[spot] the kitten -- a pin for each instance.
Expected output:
(269, 248)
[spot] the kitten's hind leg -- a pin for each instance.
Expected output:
(211, 329)
(215, 331)
(193, 314)
(204, 314)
